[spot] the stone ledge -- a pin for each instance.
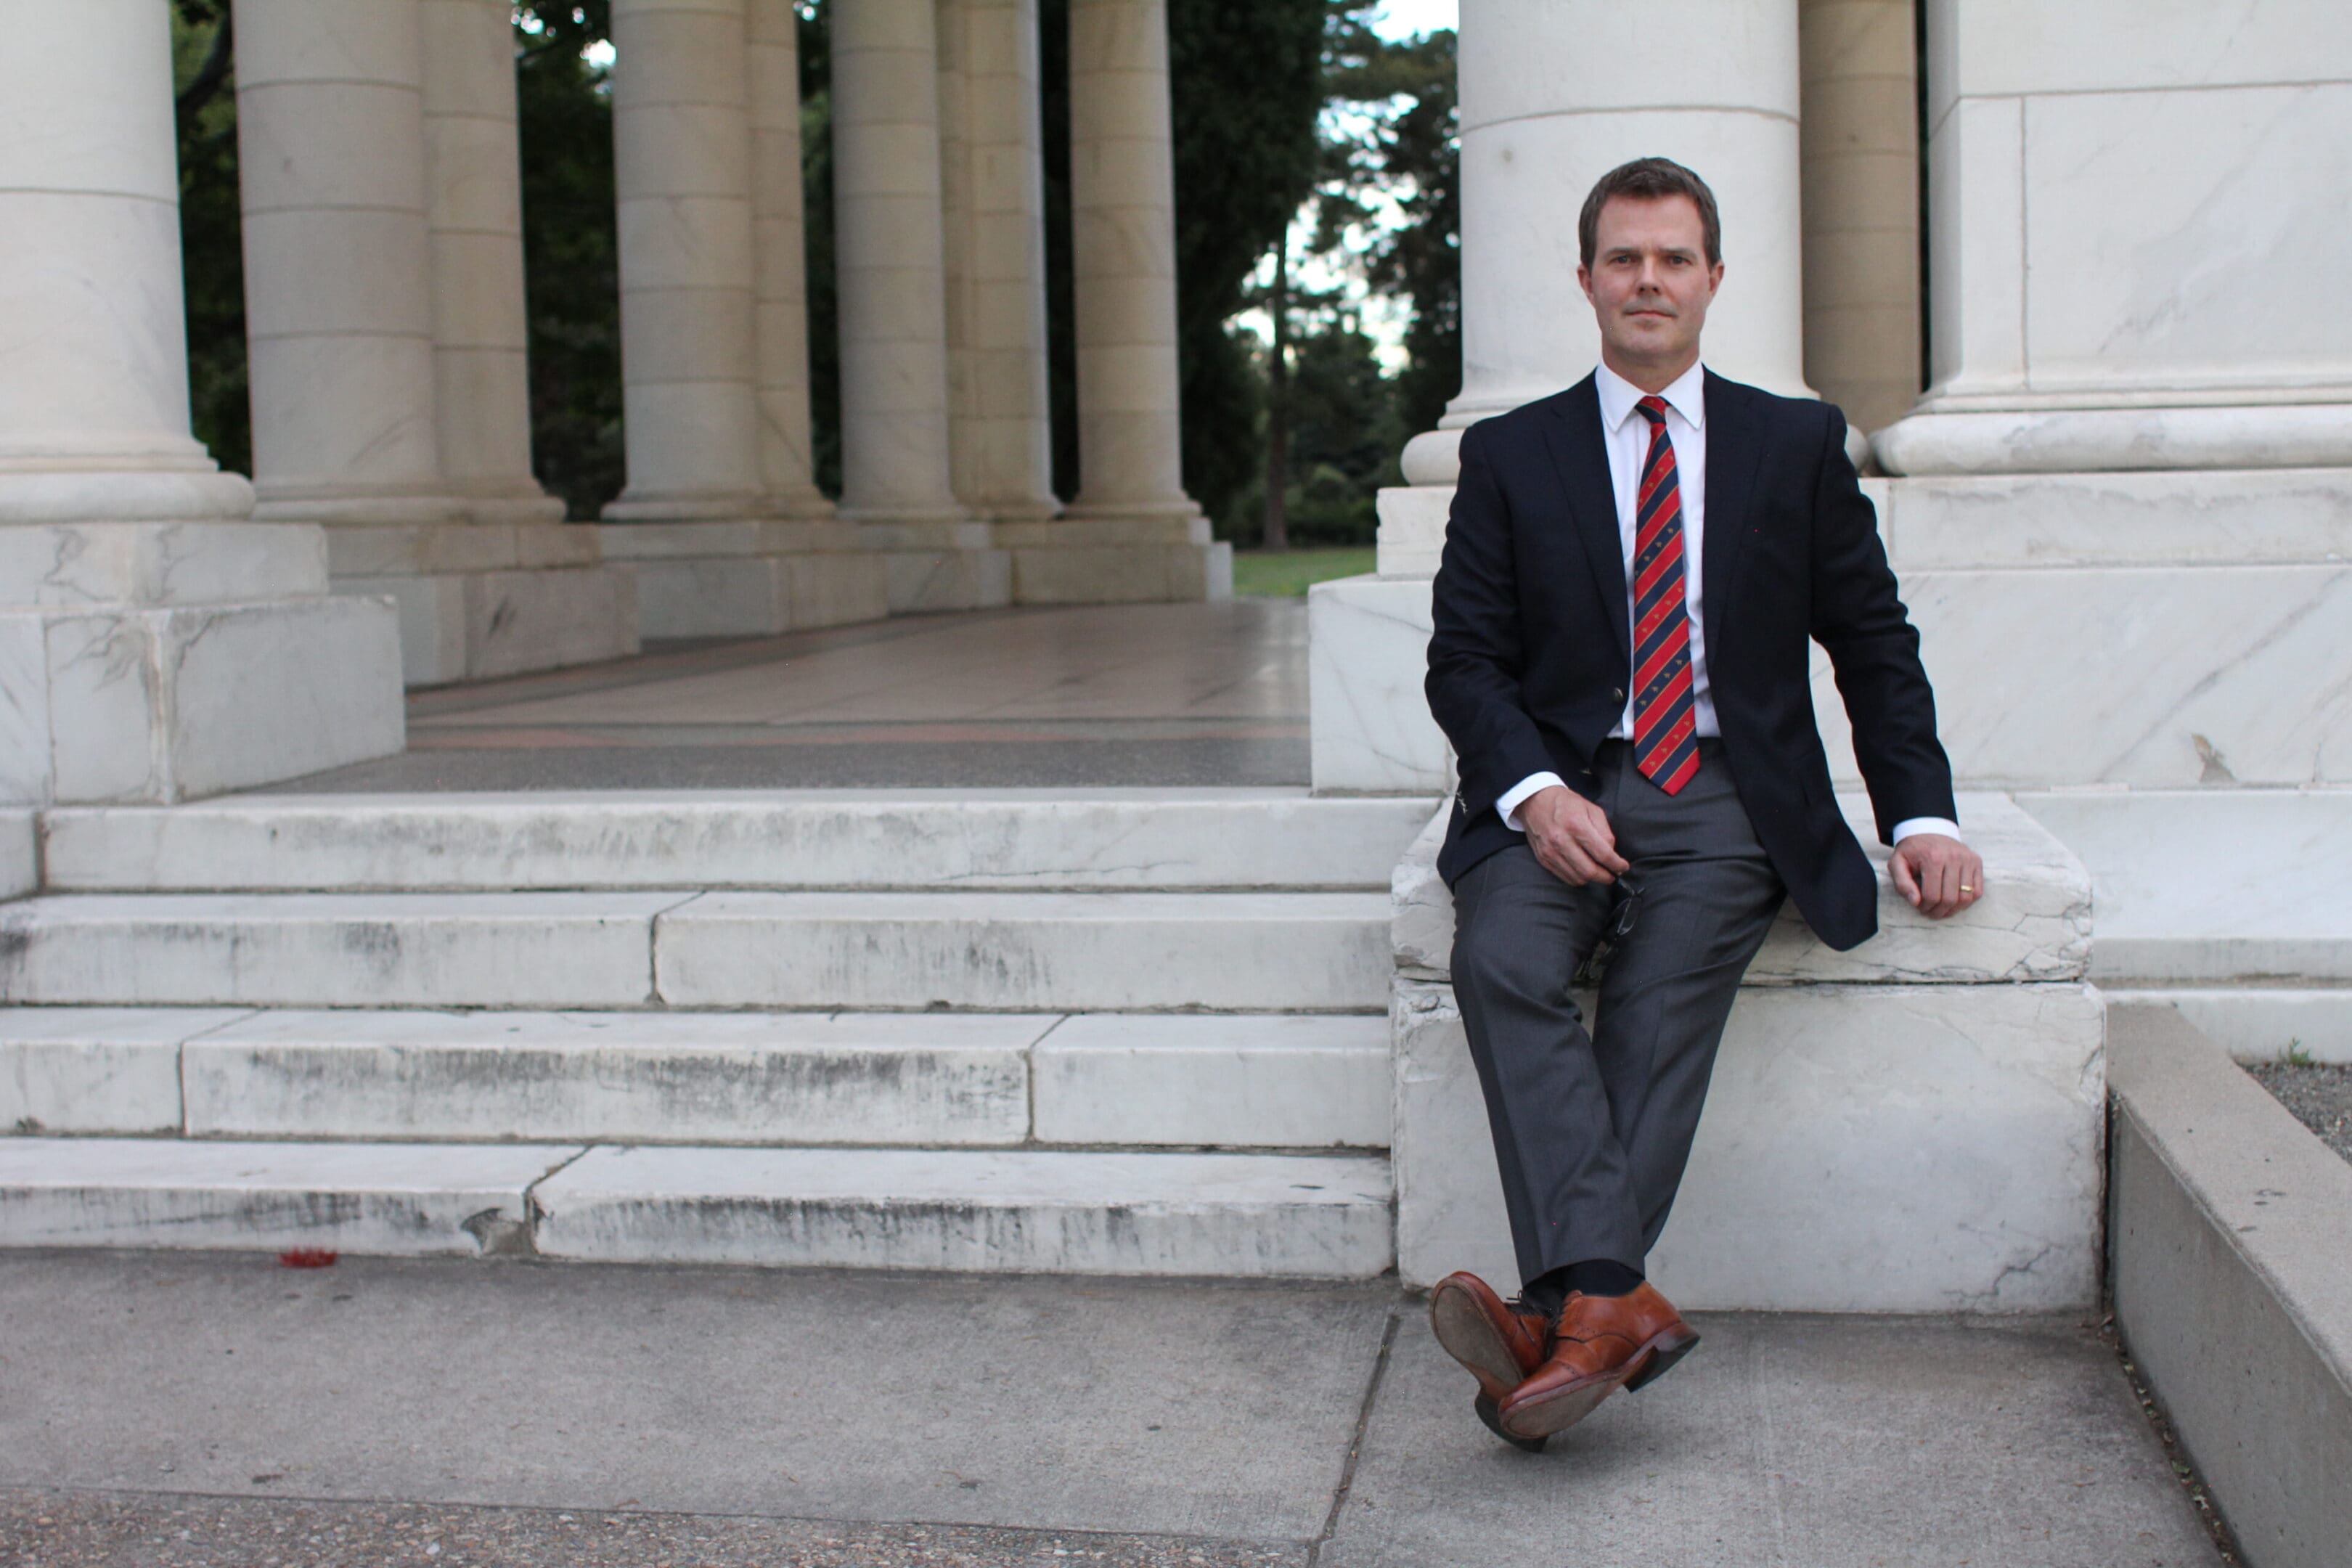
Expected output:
(2231, 1231)
(1866, 1149)
(2033, 924)
(1914, 1126)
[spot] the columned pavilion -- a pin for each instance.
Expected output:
(2112, 424)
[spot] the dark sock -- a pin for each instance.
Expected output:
(1549, 1291)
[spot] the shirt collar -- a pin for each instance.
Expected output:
(1686, 396)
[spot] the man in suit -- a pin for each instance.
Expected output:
(1634, 570)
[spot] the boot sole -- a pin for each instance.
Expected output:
(1667, 1349)
(1469, 1336)
(1559, 1411)
(1493, 1417)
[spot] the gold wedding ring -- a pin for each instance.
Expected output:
(1966, 889)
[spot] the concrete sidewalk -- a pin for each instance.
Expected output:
(205, 1409)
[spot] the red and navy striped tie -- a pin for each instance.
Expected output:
(1665, 716)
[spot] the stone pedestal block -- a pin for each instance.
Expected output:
(1369, 724)
(129, 702)
(1914, 1126)
(747, 579)
(1138, 560)
(484, 599)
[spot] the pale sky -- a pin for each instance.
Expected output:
(1403, 18)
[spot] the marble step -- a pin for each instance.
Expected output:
(2214, 887)
(927, 1078)
(1007, 1210)
(1241, 838)
(382, 1200)
(995, 951)
(1014, 1211)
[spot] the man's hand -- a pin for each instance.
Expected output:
(1571, 837)
(1939, 875)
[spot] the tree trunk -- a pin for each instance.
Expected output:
(1276, 533)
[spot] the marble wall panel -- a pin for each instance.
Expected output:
(2153, 676)
(2168, 230)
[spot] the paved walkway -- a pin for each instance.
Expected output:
(1117, 695)
(209, 1409)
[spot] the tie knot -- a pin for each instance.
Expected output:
(1653, 408)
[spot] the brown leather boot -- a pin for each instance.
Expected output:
(1500, 1343)
(1604, 1343)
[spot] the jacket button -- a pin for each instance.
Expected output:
(1617, 693)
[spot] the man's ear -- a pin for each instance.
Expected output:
(1714, 279)
(1584, 281)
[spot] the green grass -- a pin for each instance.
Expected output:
(1288, 573)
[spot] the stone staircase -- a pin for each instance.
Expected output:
(1081, 1031)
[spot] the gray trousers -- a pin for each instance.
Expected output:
(1592, 1128)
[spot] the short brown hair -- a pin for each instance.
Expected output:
(1648, 179)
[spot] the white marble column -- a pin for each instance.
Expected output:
(93, 346)
(993, 176)
(890, 267)
(779, 295)
(1861, 139)
(2130, 213)
(153, 644)
(890, 245)
(1123, 243)
(481, 329)
(682, 157)
(337, 272)
(1555, 93)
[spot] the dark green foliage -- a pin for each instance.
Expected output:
(1344, 436)
(817, 198)
(211, 242)
(1246, 79)
(571, 254)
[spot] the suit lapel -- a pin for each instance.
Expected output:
(1733, 449)
(1574, 433)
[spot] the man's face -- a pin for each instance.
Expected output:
(1649, 282)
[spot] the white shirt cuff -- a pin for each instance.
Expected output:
(1911, 825)
(1518, 795)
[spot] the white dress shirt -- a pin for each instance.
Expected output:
(1626, 436)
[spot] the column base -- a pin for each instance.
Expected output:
(129, 496)
(528, 506)
(935, 560)
(746, 578)
(633, 506)
(358, 511)
(157, 704)
(1141, 556)
(1950, 436)
(483, 599)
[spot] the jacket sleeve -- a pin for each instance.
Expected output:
(1476, 649)
(1859, 618)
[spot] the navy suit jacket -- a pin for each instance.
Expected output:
(1532, 652)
